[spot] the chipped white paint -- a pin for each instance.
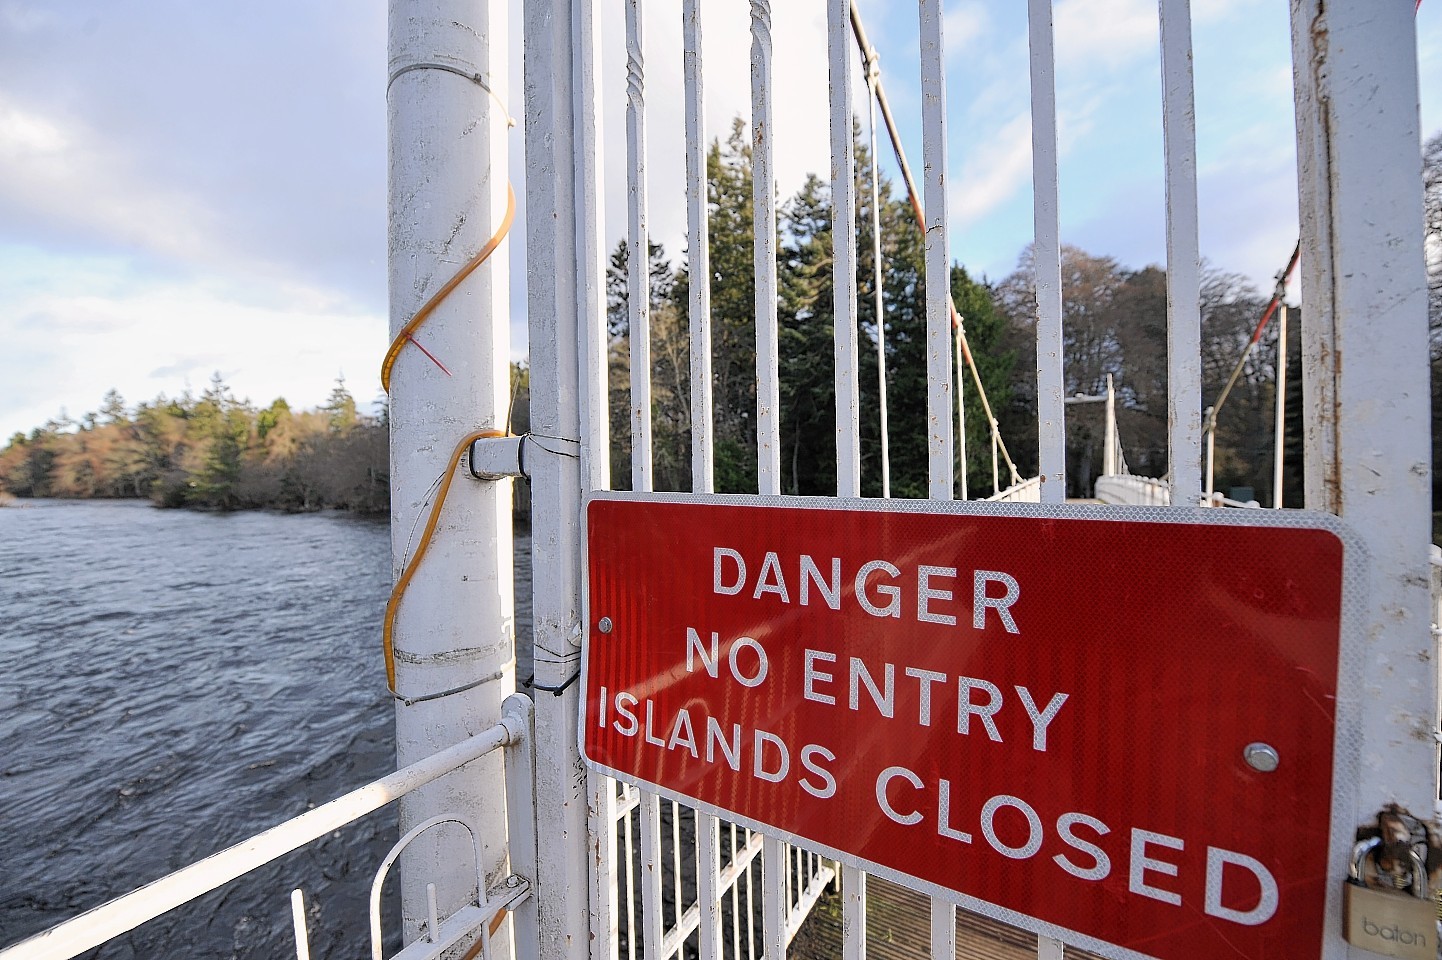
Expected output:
(938, 252)
(1365, 383)
(1184, 259)
(1046, 255)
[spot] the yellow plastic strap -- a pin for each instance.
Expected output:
(430, 305)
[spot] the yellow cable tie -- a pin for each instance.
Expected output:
(404, 580)
(435, 301)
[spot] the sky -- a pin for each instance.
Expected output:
(190, 188)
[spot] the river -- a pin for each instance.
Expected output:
(175, 682)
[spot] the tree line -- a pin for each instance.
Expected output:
(213, 451)
(216, 451)
(1114, 324)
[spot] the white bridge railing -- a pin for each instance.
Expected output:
(495, 896)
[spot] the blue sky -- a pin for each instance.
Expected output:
(190, 187)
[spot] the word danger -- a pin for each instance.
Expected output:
(880, 587)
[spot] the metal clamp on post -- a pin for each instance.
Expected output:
(495, 458)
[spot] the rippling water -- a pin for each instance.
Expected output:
(175, 682)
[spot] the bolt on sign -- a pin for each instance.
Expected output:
(1114, 726)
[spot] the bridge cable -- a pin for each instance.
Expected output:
(956, 319)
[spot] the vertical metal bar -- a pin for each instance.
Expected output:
(697, 249)
(678, 905)
(938, 253)
(1281, 382)
(843, 266)
(590, 256)
(943, 930)
(995, 475)
(1049, 949)
(873, 72)
(763, 187)
(521, 820)
(638, 272)
(1109, 432)
(708, 835)
(448, 193)
(751, 900)
(848, 424)
(1211, 452)
(708, 892)
(576, 865)
(962, 462)
(853, 913)
(940, 344)
(773, 898)
(1050, 385)
(736, 902)
(1184, 259)
(297, 919)
(632, 928)
(1365, 280)
(651, 920)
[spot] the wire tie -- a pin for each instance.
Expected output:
(475, 78)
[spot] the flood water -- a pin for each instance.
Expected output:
(175, 682)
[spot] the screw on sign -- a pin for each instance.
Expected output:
(1084, 726)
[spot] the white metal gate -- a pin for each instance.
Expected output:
(594, 868)
(613, 859)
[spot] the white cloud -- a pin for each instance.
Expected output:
(65, 174)
(104, 328)
(1104, 34)
(963, 26)
(994, 173)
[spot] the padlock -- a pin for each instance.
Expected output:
(1390, 922)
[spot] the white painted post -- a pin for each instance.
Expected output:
(763, 190)
(447, 145)
(563, 254)
(708, 828)
(938, 253)
(1368, 418)
(1046, 255)
(843, 265)
(1184, 260)
(638, 243)
(848, 415)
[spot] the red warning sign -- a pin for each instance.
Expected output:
(1120, 728)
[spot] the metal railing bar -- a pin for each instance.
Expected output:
(773, 898)
(843, 262)
(872, 65)
(853, 913)
(633, 802)
(807, 897)
(651, 918)
(698, 249)
(710, 892)
(678, 903)
(1046, 255)
(763, 186)
(1184, 324)
(943, 930)
(124, 913)
(690, 920)
(638, 272)
(938, 252)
